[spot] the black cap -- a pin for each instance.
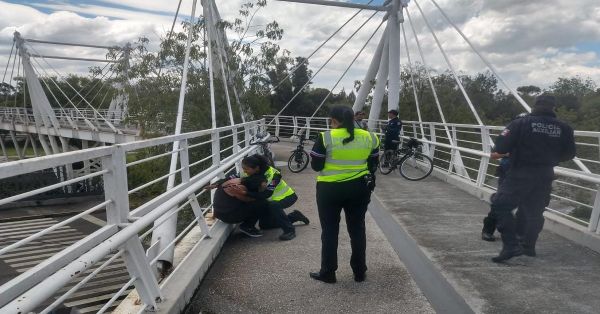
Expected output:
(393, 111)
(545, 101)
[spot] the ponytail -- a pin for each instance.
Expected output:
(345, 116)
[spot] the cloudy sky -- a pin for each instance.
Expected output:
(529, 41)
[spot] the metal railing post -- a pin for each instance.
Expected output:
(484, 161)
(184, 159)
(295, 129)
(433, 139)
(594, 225)
(277, 125)
(117, 212)
(307, 129)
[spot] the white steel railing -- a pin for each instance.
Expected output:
(68, 118)
(576, 193)
(134, 177)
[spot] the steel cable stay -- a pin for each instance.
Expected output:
(433, 90)
(12, 72)
(75, 90)
(8, 63)
(412, 79)
(322, 67)
(294, 69)
(347, 69)
(89, 123)
(450, 66)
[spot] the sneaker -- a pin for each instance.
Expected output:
(287, 236)
(507, 253)
(485, 236)
(251, 231)
(326, 278)
(300, 217)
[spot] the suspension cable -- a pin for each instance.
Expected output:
(212, 30)
(69, 84)
(63, 93)
(435, 95)
(347, 69)
(12, 72)
(319, 48)
(412, 79)
(160, 65)
(323, 66)
(484, 59)
(460, 85)
(8, 63)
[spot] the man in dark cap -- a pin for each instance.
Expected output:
(536, 144)
(392, 131)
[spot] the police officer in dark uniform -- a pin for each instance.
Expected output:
(536, 144)
(392, 131)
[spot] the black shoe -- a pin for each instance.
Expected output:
(360, 277)
(300, 217)
(326, 278)
(485, 236)
(287, 236)
(528, 251)
(251, 231)
(507, 254)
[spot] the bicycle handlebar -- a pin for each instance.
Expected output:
(272, 139)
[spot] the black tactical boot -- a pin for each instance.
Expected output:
(507, 253)
(528, 250)
(296, 215)
(485, 236)
(326, 278)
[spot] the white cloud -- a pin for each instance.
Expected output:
(530, 42)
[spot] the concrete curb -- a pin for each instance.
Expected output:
(178, 289)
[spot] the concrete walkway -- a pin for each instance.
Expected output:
(446, 223)
(424, 255)
(266, 275)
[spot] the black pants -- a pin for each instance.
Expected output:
(529, 189)
(353, 197)
(490, 222)
(276, 217)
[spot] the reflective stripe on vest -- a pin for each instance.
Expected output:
(282, 190)
(346, 161)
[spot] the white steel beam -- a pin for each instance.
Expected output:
(70, 44)
(367, 84)
(380, 85)
(340, 4)
(394, 56)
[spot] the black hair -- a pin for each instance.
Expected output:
(256, 160)
(254, 182)
(345, 116)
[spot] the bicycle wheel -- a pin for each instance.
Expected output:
(415, 167)
(298, 161)
(386, 162)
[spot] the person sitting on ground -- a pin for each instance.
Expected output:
(236, 201)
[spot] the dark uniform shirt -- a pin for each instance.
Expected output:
(392, 133)
(538, 140)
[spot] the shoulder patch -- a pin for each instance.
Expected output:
(505, 132)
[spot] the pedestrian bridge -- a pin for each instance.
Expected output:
(424, 251)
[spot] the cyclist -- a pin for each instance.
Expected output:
(392, 131)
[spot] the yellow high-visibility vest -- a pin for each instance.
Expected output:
(349, 161)
(282, 190)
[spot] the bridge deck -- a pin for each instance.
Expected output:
(432, 260)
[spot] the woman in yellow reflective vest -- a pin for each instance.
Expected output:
(279, 196)
(346, 158)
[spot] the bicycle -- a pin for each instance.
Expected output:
(263, 141)
(412, 164)
(299, 159)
